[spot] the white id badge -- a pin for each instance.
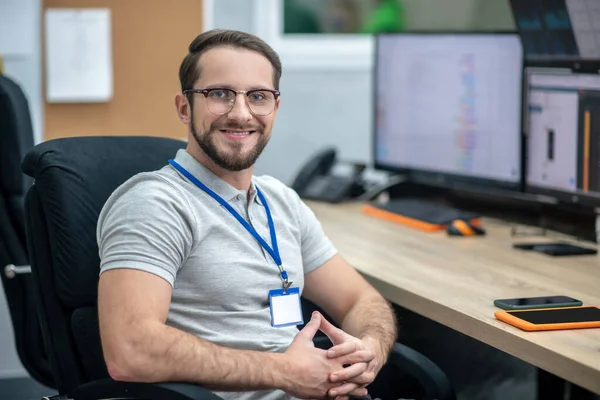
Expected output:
(286, 309)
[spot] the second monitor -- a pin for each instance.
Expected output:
(449, 106)
(563, 129)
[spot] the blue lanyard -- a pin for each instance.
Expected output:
(274, 250)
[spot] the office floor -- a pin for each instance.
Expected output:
(23, 389)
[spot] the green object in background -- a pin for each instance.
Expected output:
(299, 19)
(388, 16)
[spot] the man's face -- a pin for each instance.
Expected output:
(234, 140)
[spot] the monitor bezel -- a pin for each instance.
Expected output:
(437, 178)
(584, 66)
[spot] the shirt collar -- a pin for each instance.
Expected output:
(253, 195)
(207, 177)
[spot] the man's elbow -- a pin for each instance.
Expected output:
(126, 362)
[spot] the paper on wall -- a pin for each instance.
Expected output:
(78, 55)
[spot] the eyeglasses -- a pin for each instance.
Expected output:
(221, 101)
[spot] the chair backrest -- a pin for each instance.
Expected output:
(16, 138)
(73, 179)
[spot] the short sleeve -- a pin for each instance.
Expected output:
(146, 224)
(316, 246)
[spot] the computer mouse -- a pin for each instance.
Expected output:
(460, 227)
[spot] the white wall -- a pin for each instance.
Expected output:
(318, 109)
(333, 107)
(20, 48)
(23, 62)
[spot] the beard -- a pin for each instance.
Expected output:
(233, 160)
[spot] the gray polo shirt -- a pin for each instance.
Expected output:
(162, 223)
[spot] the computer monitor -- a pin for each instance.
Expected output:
(448, 107)
(558, 29)
(563, 135)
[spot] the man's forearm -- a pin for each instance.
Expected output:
(372, 318)
(162, 354)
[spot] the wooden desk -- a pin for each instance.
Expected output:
(454, 281)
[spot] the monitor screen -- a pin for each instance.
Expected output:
(563, 143)
(558, 29)
(450, 104)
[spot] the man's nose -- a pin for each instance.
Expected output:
(240, 111)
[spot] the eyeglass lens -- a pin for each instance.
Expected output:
(221, 101)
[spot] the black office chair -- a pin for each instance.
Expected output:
(16, 138)
(73, 179)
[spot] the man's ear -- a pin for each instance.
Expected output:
(184, 109)
(277, 103)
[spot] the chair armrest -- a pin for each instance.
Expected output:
(111, 389)
(431, 378)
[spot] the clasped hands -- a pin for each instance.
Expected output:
(342, 371)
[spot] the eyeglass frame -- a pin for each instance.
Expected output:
(206, 91)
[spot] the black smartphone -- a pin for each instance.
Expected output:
(524, 246)
(556, 249)
(527, 303)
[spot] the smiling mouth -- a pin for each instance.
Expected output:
(237, 133)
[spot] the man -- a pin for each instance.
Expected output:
(202, 263)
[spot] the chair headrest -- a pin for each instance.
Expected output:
(16, 137)
(74, 177)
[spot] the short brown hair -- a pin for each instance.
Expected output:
(189, 71)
